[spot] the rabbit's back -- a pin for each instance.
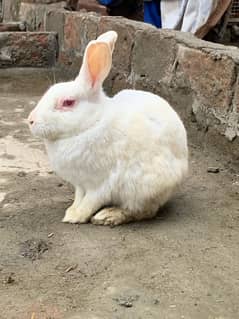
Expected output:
(148, 118)
(137, 101)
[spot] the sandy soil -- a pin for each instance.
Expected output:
(182, 264)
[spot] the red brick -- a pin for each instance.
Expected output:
(210, 76)
(28, 49)
(79, 30)
(126, 30)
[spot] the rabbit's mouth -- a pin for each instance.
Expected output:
(47, 132)
(43, 132)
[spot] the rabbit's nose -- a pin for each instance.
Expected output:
(30, 121)
(31, 118)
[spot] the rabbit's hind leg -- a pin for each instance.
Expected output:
(112, 216)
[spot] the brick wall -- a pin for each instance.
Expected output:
(28, 49)
(11, 8)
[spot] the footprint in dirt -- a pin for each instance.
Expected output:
(33, 248)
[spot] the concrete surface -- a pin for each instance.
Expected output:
(182, 264)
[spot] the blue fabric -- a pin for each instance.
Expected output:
(108, 2)
(152, 13)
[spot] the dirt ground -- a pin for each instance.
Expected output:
(182, 264)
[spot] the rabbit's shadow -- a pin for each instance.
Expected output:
(172, 212)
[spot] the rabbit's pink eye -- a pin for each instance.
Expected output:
(68, 103)
(64, 104)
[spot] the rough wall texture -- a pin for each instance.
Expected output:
(1, 11)
(35, 13)
(11, 9)
(199, 78)
(24, 49)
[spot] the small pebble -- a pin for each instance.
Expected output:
(213, 170)
(127, 301)
(126, 304)
(71, 268)
(21, 174)
(9, 280)
(156, 301)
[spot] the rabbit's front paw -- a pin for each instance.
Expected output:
(73, 216)
(111, 216)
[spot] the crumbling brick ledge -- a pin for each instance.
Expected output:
(200, 79)
(28, 49)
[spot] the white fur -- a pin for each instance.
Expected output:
(128, 152)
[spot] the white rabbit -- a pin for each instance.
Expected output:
(124, 155)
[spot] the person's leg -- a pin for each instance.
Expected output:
(152, 13)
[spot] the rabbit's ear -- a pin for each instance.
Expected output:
(96, 64)
(97, 60)
(110, 38)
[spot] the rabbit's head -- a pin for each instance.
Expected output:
(71, 107)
